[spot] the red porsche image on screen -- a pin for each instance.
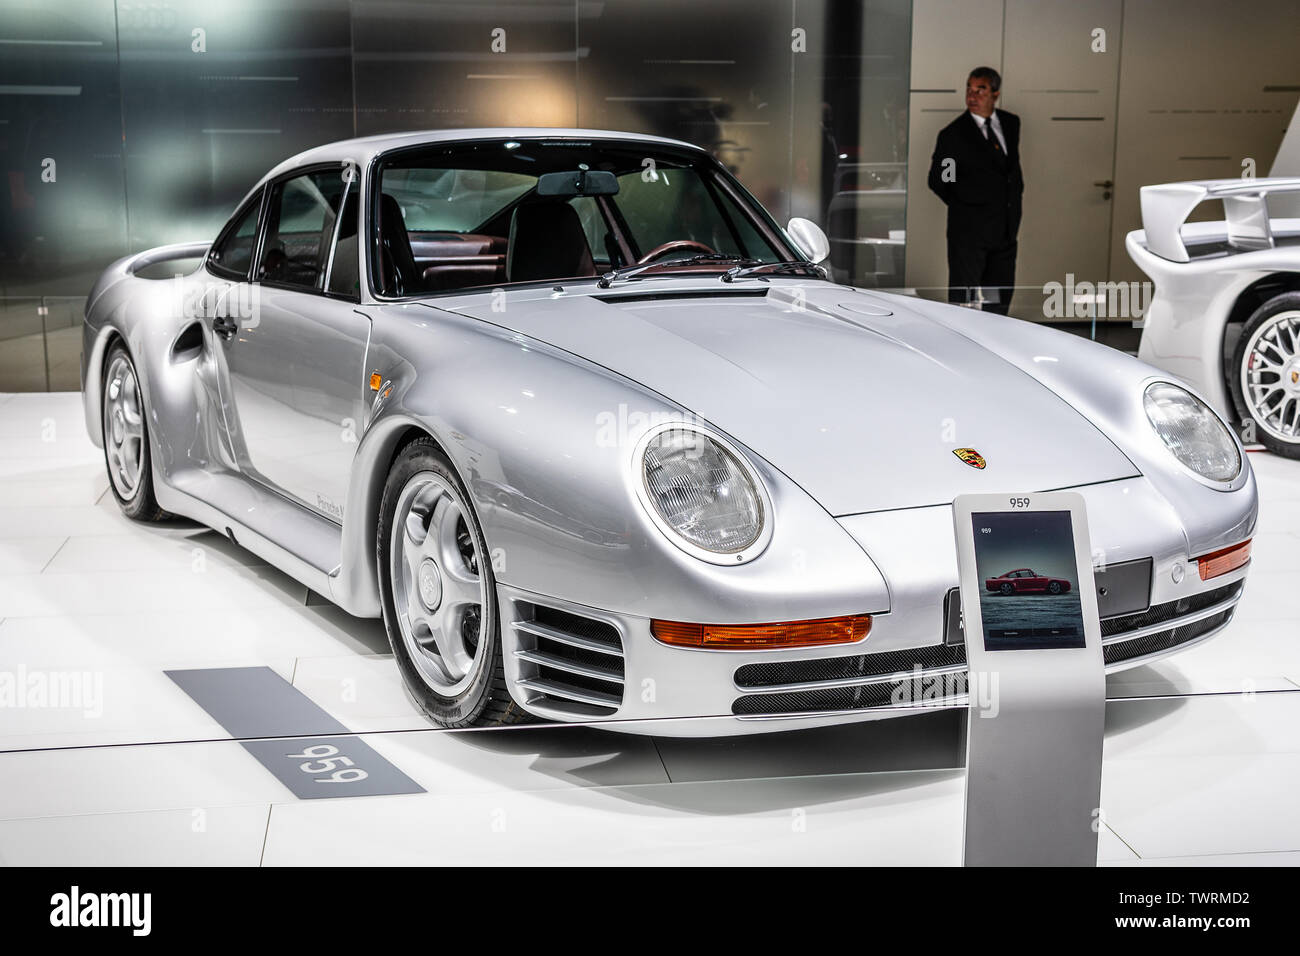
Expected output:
(1025, 581)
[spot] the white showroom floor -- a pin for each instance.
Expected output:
(1202, 758)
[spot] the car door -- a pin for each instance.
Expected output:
(220, 297)
(294, 368)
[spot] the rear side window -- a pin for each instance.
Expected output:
(300, 229)
(232, 253)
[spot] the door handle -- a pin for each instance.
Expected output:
(225, 326)
(1107, 185)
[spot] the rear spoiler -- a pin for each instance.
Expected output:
(1165, 208)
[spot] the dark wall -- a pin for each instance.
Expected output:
(153, 141)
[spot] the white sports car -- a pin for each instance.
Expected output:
(1226, 310)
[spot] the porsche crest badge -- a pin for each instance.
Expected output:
(970, 456)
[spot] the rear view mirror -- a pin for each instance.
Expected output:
(579, 182)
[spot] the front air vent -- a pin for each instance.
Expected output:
(569, 662)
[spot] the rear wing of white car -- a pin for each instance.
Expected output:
(1165, 209)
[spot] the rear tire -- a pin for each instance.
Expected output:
(439, 594)
(1265, 376)
(1007, 587)
(126, 438)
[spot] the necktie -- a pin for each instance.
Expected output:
(988, 135)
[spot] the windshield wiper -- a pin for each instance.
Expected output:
(788, 267)
(628, 272)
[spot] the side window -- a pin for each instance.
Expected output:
(232, 253)
(300, 228)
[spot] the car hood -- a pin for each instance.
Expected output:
(858, 398)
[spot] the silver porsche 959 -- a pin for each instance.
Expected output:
(598, 440)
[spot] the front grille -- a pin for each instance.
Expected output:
(839, 698)
(569, 662)
(767, 673)
(1122, 651)
(1164, 612)
(936, 680)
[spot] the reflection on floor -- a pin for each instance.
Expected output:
(1202, 755)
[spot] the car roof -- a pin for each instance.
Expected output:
(365, 148)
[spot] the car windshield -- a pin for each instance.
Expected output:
(498, 212)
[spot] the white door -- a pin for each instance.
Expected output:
(1060, 75)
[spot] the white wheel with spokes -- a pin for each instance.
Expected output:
(1270, 377)
(438, 591)
(1267, 362)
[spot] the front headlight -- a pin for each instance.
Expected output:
(1192, 432)
(704, 493)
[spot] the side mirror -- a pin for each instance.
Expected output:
(810, 239)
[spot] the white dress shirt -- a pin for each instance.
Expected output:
(995, 125)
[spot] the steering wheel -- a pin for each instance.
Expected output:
(663, 249)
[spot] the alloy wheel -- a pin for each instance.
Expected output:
(124, 428)
(438, 589)
(1270, 376)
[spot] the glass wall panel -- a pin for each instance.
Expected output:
(129, 124)
(62, 215)
(714, 74)
(849, 141)
(432, 65)
(215, 94)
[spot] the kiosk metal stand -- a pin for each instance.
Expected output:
(1036, 680)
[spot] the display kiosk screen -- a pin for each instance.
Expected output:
(1029, 596)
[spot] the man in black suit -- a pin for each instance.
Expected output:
(975, 170)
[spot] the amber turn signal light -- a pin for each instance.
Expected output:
(742, 637)
(1222, 561)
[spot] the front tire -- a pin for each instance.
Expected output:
(126, 438)
(1266, 374)
(439, 594)
(1053, 587)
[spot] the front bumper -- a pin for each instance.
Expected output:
(567, 662)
